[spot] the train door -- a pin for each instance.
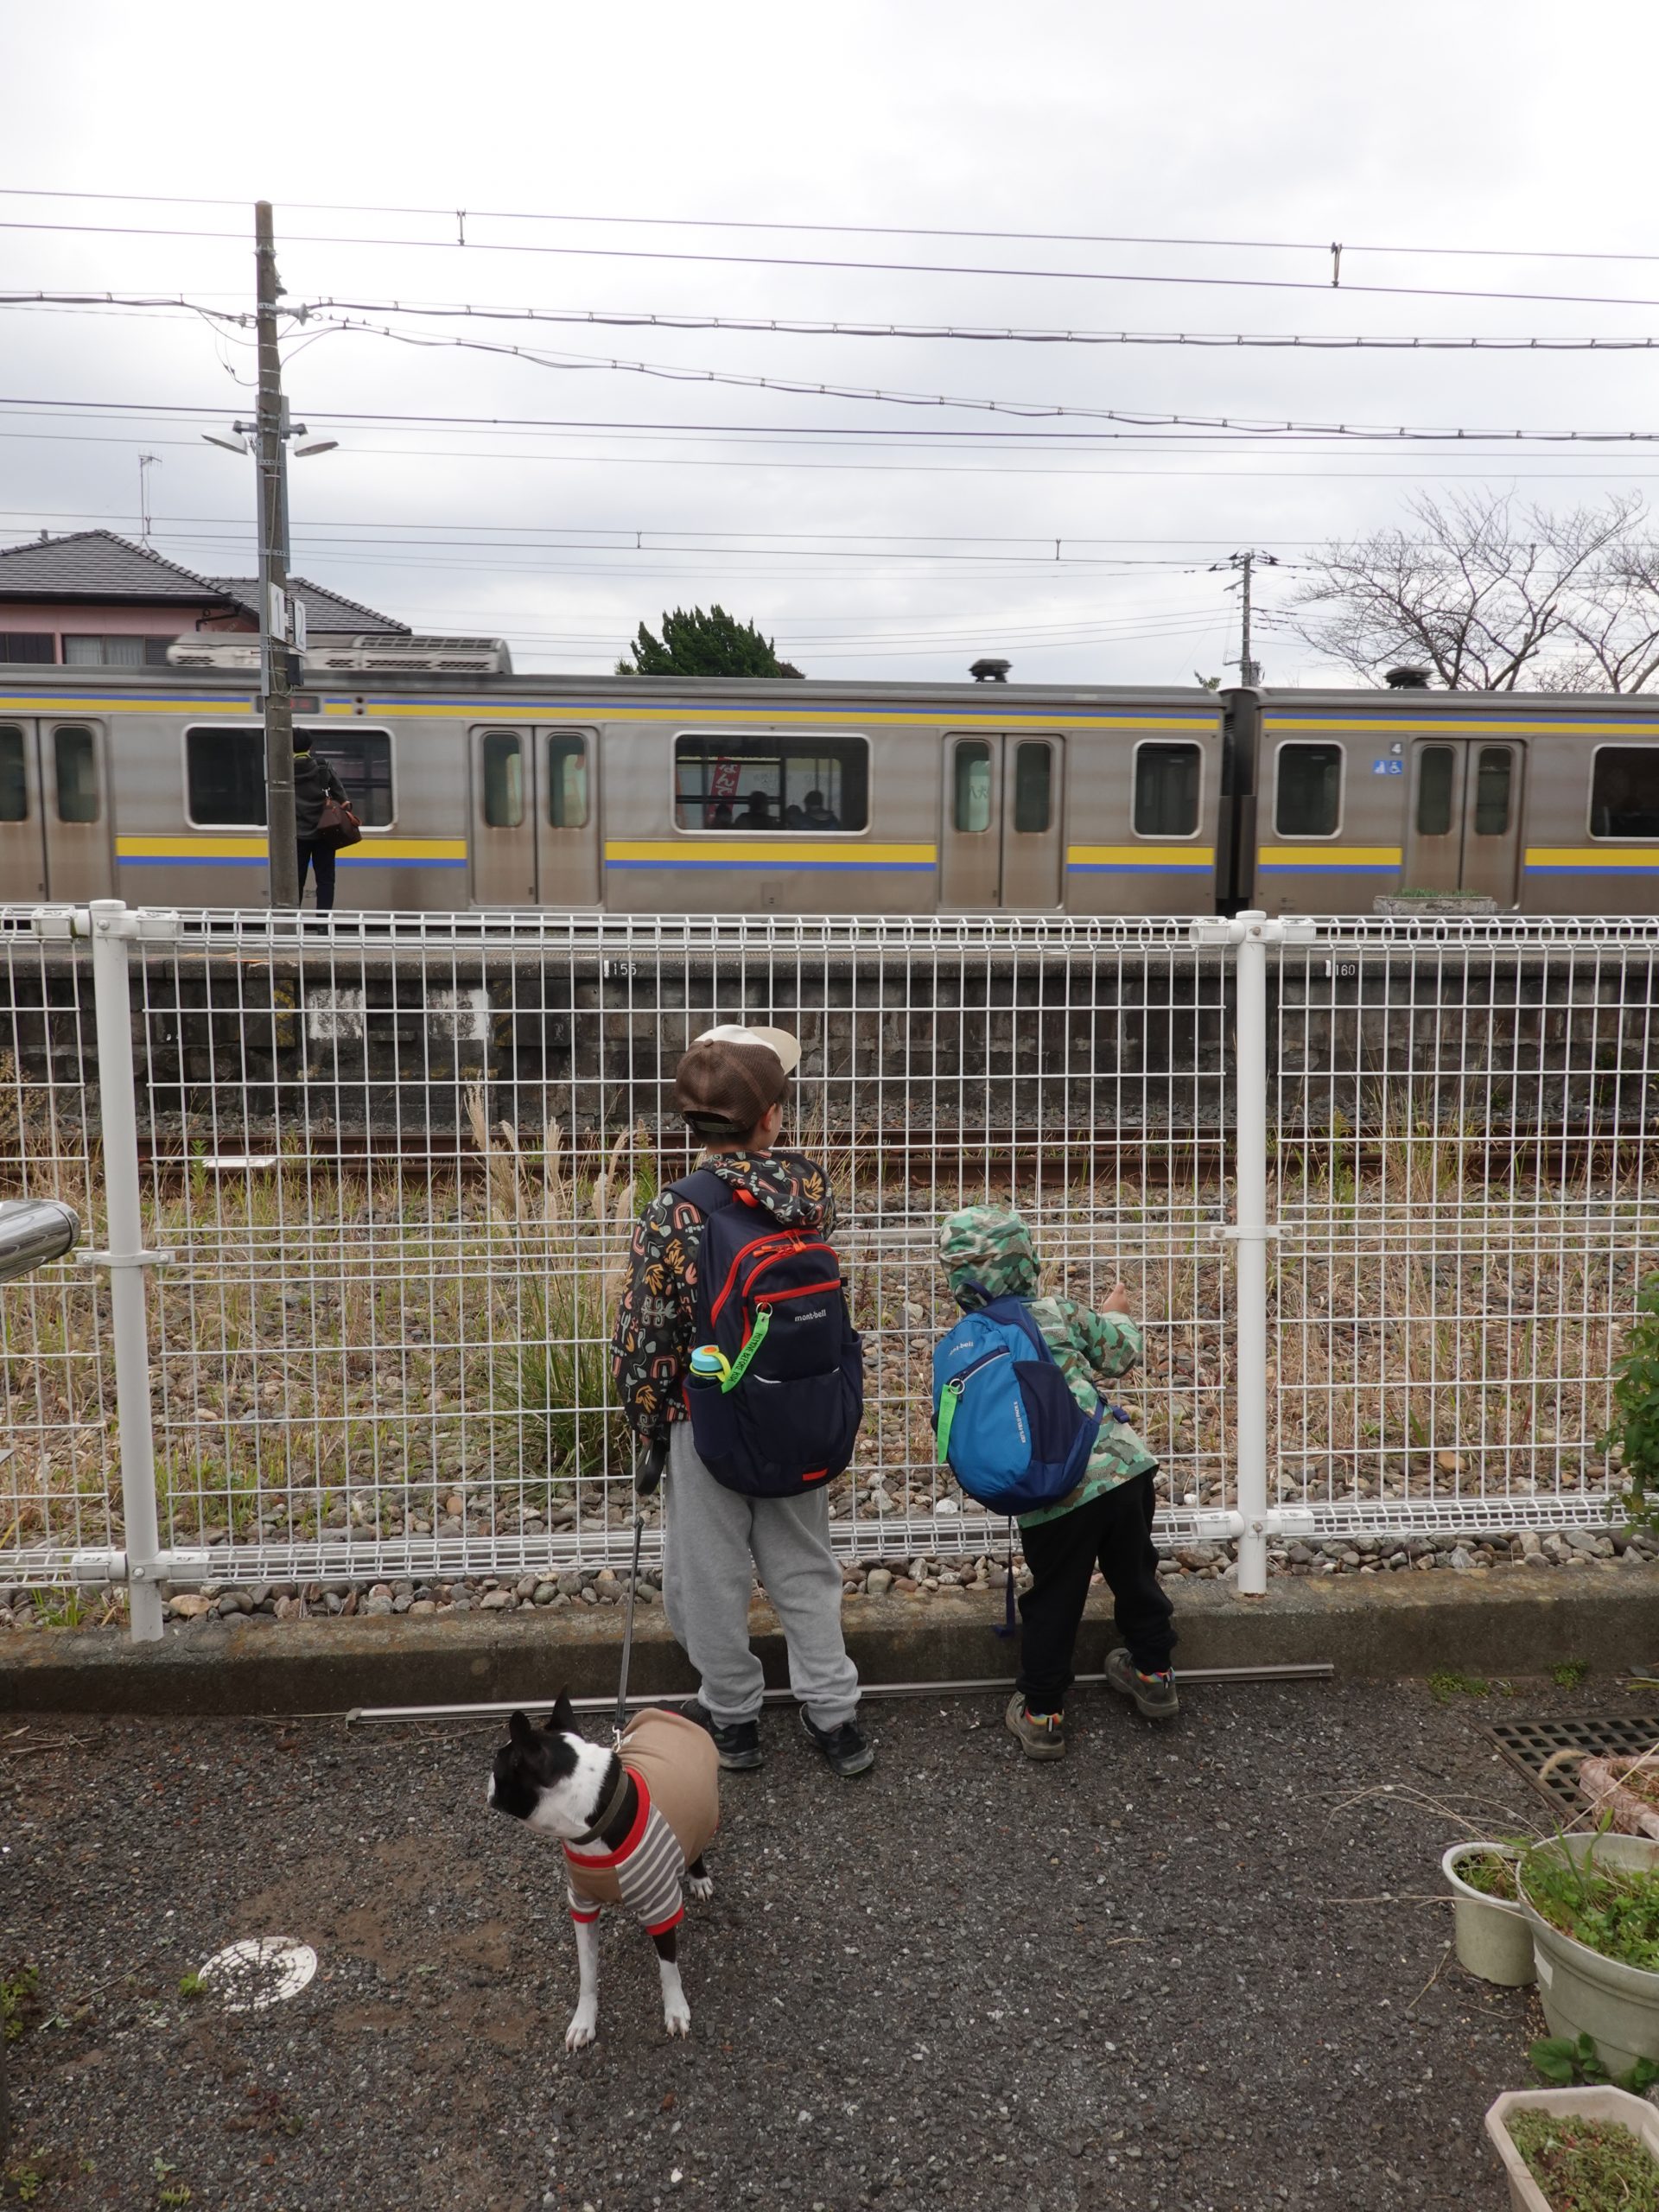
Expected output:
(535, 826)
(1463, 833)
(1001, 844)
(23, 829)
(54, 811)
(567, 827)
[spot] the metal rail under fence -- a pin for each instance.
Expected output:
(1378, 1191)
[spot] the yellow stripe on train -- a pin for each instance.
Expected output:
(736, 852)
(253, 847)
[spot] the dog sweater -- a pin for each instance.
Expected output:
(676, 1770)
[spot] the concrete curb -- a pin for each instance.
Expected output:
(1378, 1628)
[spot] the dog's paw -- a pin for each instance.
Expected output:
(677, 2016)
(584, 2027)
(701, 1886)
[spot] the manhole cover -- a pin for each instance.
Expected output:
(1530, 1745)
(260, 1970)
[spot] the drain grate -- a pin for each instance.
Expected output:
(1529, 1744)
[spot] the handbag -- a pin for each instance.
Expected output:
(337, 826)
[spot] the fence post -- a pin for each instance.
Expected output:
(112, 927)
(1250, 1238)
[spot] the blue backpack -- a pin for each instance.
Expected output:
(1013, 1435)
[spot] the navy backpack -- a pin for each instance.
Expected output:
(784, 1416)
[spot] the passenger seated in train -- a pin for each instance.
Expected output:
(720, 814)
(757, 814)
(793, 819)
(817, 816)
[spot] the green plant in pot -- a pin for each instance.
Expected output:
(1593, 1901)
(1492, 1933)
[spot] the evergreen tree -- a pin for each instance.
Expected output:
(715, 643)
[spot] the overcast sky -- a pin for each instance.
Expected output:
(902, 554)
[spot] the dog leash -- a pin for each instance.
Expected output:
(627, 1625)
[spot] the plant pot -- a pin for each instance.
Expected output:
(1634, 2112)
(1493, 1935)
(1584, 1993)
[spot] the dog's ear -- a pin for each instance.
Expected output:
(562, 1719)
(521, 1733)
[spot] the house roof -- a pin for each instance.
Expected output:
(97, 565)
(324, 610)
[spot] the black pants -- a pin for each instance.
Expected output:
(1114, 1530)
(320, 857)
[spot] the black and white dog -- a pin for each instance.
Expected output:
(633, 1824)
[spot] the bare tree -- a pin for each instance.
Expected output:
(1492, 599)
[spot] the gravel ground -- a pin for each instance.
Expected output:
(1190, 1969)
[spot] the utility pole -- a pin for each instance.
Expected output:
(1249, 670)
(146, 462)
(277, 655)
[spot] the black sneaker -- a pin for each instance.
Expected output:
(738, 1742)
(844, 1748)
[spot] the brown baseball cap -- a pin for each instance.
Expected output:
(732, 1074)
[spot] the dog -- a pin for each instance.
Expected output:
(633, 1824)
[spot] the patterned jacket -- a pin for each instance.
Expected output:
(987, 1254)
(652, 1342)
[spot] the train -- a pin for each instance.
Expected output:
(482, 788)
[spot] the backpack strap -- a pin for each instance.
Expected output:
(703, 1189)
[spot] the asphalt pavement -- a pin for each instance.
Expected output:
(1193, 1968)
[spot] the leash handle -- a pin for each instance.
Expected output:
(627, 1629)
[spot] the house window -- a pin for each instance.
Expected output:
(737, 780)
(85, 651)
(1166, 791)
(35, 645)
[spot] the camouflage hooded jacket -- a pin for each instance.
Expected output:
(986, 1252)
(653, 1340)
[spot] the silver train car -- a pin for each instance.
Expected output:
(656, 795)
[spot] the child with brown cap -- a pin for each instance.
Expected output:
(730, 1088)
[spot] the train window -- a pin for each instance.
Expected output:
(971, 796)
(1436, 768)
(1033, 788)
(566, 780)
(224, 778)
(1167, 778)
(504, 779)
(13, 781)
(1494, 775)
(801, 783)
(75, 758)
(1309, 802)
(1624, 791)
(362, 761)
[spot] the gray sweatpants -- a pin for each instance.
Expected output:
(714, 1543)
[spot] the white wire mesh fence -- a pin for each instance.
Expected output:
(393, 1163)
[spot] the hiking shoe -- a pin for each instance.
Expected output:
(1042, 1735)
(844, 1748)
(1156, 1696)
(738, 1742)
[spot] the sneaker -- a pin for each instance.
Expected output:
(738, 1742)
(844, 1748)
(1154, 1695)
(1042, 1735)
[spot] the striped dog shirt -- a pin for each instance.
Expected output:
(675, 1770)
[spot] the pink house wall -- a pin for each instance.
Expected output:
(92, 620)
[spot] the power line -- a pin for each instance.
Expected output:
(806, 261)
(841, 229)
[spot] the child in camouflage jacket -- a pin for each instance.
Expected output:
(987, 1254)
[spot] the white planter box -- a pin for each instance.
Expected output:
(1634, 2112)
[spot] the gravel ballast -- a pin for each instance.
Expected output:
(1190, 1969)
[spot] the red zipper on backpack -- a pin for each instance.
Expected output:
(780, 1245)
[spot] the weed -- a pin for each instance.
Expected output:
(28, 2181)
(1562, 2060)
(1491, 1873)
(1612, 1910)
(61, 1609)
(190, 1985)
(180, 2193)
(19, 1996)
(1634, 1431)
(1584, 2163)
(1569, 1674)
(1445, 1685)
